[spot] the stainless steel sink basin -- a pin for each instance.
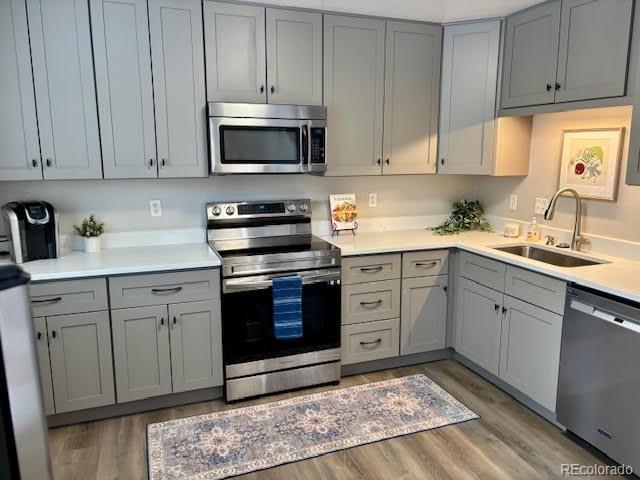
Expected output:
(548, 256)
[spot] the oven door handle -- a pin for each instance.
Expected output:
(232, 285)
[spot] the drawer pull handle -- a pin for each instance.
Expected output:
(371, 269)
(48, 300)
(427, 264)
(164, 291)
(371, 304)
(374, 342)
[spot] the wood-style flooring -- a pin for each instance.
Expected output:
(507, 442)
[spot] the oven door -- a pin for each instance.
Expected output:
(247, 317)
(258, 145)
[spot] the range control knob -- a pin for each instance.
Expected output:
(230, 210)
(216, 211)
(303, 207)
(291, 207)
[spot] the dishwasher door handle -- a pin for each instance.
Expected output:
(605, 316)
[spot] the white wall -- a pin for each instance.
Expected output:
(124, 204)
(613, 219)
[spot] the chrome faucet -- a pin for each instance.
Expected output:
(576, 239)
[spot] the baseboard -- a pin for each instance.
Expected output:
(138, 406)
(395, 362)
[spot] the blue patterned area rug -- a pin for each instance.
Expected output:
(233, 442)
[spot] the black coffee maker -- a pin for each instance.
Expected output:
(32, 230)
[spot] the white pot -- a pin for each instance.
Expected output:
(91, 244)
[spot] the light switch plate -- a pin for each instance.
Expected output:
(373, 200)
(541, 205)
(513, 202)
(155, 206)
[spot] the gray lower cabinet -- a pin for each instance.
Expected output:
(236, 56)
(196, 356)
(19, 147)
(478, 324)
(141, 352)
(530, 350)
(81, 361)
(44, 365)
(423, 322)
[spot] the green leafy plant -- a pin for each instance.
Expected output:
(90, 227)
(464, 217)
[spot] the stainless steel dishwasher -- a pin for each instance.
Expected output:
(599, 386)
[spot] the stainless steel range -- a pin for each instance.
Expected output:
(260, 241)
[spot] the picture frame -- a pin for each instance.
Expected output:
(343, 212)
(591, 162)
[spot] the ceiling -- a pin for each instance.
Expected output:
(440, 11)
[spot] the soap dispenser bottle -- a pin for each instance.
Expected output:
(533, 233)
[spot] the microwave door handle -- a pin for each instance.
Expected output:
(305, 144)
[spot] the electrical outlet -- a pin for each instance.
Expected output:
(541, 205)
(373, 200)
(513, 202)
(155, 206)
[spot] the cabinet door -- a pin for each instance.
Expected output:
(412, 89)
(353, 93)
(44, 365)
(235, 46)
(19, 148)
(595, 37)
(478, 324)
(531, 56)
(177, 51)
(80, 349)
(141, 352)
(294, 57)
(125, 91)
(65, 88)
(196, 345)
(530, 351)
(468, 102)
(423, 323)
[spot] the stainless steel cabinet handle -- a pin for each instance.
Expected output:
(558, 86)
(48, 162)
(150, 164)
(371, 269)
(549, 87)
(273, 89)
(496, 307)
(34, 163)
(161, 321)
(53, 333)
(162, 291)
(163, 162)
(48, 300)
(504, 310)
(261, 88)
(369, 304)
(387, 161)
(379, 161)
(374, 342)
(175, 320)
(39, 335)
(427, 264)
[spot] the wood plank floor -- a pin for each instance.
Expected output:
(508, 442)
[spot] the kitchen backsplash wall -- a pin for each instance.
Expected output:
(612, 219)
(124, 204)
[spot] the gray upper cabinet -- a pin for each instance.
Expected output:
(236, 58)
(354, 55)
(468, 100)
(412, 88)
(196, 345)
(531, 56)
(594, 49)
(65, 89)
(294, 57)
(19, 148)
(81, 362)
(177, 51)
(125, 90)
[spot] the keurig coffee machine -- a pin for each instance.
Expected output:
(32, 228)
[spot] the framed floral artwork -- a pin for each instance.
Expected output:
(591, 162)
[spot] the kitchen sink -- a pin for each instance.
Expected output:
(548, 256)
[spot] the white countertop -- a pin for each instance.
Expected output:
(118, 261)
(619, 277)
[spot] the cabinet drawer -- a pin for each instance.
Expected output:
(69, 296)
(370, 268)
(164, 288)
(485, 271)
(370, 341)
(535, 288)
(425, 264)
(367, 302)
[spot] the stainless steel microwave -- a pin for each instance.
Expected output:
(261, 138)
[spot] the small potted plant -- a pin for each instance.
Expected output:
(90, 231)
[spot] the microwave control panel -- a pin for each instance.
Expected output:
(317, 145)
